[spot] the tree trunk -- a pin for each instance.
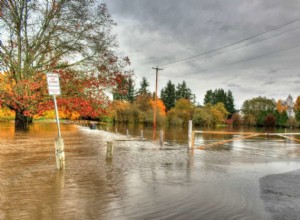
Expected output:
(22, 121)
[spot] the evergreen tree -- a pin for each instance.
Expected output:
(131, 91)
(209, 97)
(230, 102)
(125, 90)
(281, 118)
(144, 87)
(182, 91)
(168, 95)
(297, 115)
(219, 95)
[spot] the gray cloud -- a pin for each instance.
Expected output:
(163, 31)
(233, 85)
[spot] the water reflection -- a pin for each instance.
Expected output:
(142, 181)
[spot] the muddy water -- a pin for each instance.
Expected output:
(142, 181)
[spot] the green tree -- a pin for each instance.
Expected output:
(281, 118)
(183, 92)
(143, 90)
(230, 102)
(209, 97)
(143, 97)
(259, 107)
(131, 90)
(219, 95)
(297, 115)
(168, 95)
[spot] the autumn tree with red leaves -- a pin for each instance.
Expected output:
(72, 38)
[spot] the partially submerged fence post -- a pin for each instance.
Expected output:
(59, 153)
(190, 131)
(116, 130)
(127, 132)
(285, 137)
(193, 139)
(142, 134)
(109, 150)
(161, 137)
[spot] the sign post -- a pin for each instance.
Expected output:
(54, 89)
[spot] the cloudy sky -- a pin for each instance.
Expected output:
(250, 47)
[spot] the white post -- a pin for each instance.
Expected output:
(109, 150)
(59, 142)
(57, 116)
(161, 139)
(59, 153)
(127, 132)
(142, 134)
(190, 130)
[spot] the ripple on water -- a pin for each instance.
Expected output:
(142, 181)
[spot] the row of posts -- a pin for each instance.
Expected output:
(109, 149)
(191, 139)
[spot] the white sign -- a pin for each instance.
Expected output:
(53, 84)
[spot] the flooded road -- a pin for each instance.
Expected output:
(142, 181)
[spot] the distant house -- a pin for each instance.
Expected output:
(289, 104)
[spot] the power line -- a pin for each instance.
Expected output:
(242, 61)
(231, 44)
(237, 48)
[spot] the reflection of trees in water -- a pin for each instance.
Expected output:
(36, 190)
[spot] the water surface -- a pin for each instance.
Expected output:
(142, 181)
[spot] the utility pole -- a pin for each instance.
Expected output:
(154, 115)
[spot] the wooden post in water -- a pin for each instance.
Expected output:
(127, 132)
(285, 135)
(142, 134)
(161, 137)
(116, 130)
(190, 130)
(59, 153)
(193, 139)
(109, 150)
(106, 128)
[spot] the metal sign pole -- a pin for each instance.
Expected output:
(57, 116)
(54, 89)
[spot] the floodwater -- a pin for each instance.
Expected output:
(142, 181)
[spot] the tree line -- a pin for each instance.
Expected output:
(179, 105)
(176, 105)
(262, 111)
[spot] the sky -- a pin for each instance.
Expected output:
(249, 47)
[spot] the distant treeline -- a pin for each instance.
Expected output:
(177, 105)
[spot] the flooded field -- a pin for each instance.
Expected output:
(142, 181)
